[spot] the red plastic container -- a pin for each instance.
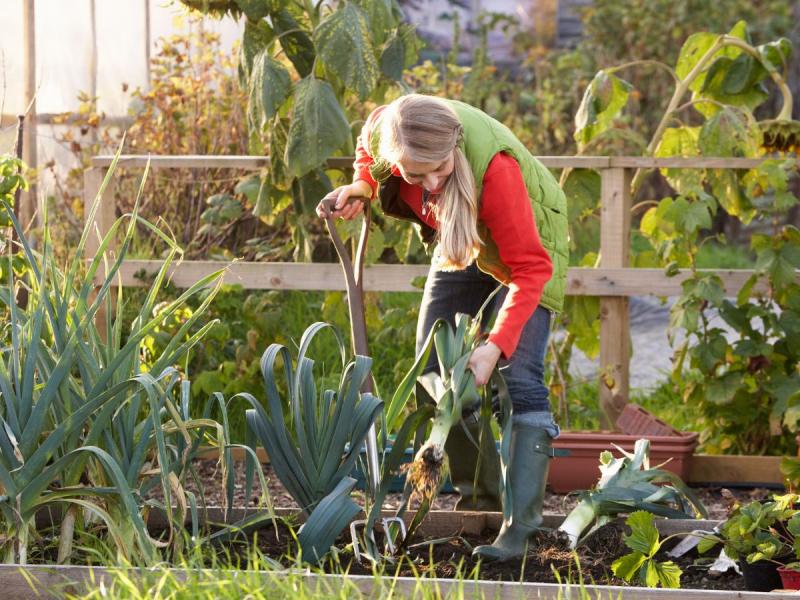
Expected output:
(790, 579)
(581, 469)
(635, 420)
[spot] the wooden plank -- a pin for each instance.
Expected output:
(615, 229)
(279, 276)
(346, 162)
(184, 162)
(100, 223)
(398, 278)
(147, 41)
(68, 119)
(755, 470)
(260, 162)
(31, 582)
(647, 282)
(437, 523)
(575, 162)
(28, 199)
(681, 162)
(246, 163)
(105, 215)
(703, 468)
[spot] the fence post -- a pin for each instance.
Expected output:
(99, 225)
(615, 229)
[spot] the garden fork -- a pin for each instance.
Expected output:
(354, 280)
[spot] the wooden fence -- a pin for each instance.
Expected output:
(614, 281)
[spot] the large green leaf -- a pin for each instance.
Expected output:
(380, 18)
(730, 76)
(345, 47)
(602, 101)
(256, 38)
(332, 515)
(681, 141)
(776, 54)
(644, 535)
(319, 126)
(668, 574)
(627, 566)
(309, 189)
(295, 41)
(732, 81)
(721, 390)
(255, 10)
(393, 58)
(693, 49)
(270, 84)
(728, 134)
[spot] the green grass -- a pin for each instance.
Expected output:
(261, 580)
(266, 585)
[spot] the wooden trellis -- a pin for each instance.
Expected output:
(614, 281)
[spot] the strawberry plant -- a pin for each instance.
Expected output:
(641, 562)
(759, 530)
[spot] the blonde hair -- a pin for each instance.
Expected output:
(425, 129)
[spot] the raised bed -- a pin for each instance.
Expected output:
(37, 582)
(438, 524)
(702, 469)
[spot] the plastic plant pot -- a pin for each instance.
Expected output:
(790, 578)
(760, 576)
(580, 470)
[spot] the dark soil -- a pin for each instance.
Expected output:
(716, 500)
(548, 559)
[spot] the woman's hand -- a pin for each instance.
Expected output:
(482, 362)
(341, 195)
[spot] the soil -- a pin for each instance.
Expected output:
(548, 560)
(716, 500)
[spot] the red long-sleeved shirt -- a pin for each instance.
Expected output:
(506, 210)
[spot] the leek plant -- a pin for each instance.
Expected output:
(454, 392)
(444, 398)
(82, 421)
(314, 451)
(628, 484)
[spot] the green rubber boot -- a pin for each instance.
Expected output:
(529, 459)
(481, 491)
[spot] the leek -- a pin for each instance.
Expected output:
(453, 391)
(75, 431)
(628, 484)
(314, 455)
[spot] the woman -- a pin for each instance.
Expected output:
(476, 194)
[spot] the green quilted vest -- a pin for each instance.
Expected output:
(483, 138)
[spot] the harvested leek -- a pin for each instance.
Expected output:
(626, 485)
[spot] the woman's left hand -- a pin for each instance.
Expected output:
(482, 362)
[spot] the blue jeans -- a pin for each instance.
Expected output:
(449, 292)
